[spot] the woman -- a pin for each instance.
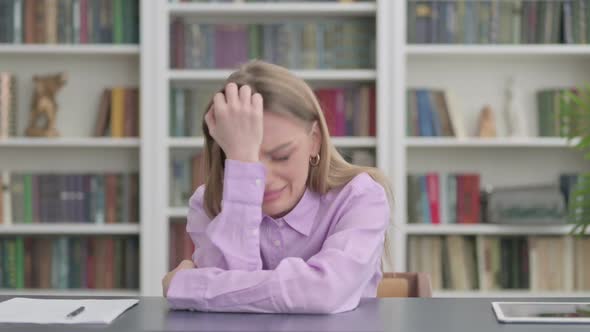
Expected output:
(283, 223)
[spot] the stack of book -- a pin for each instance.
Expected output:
(187, 107)
(443, 198)
(551, 120)
(77, 262)
(69, 21)
(433, 113)
(499, 22)
(538, 263)
(187, 174)
(435, 198)
(349, 111)
(76, 198)
(118, 113)
(331, 44)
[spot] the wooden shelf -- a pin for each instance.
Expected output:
(474, 142)
(71, 142)
(61, 49)
(436, 50)
(332, 75)
(486, 229)
(272, 9)
(69, 229)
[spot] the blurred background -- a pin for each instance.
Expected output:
(477, 110)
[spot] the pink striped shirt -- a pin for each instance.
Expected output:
(321, 257)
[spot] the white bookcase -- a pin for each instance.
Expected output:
(255, 12)
(476, 73)
(90, 68)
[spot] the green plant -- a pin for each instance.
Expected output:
(575, 125)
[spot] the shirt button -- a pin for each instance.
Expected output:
(255, 232)
(277, 243)
(258, 182)
(280, 223)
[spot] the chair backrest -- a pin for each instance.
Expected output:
(404, 284)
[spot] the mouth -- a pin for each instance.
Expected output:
(272, 195)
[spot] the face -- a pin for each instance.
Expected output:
(287, 145)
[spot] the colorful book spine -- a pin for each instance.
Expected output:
(498, 22)
(69, 21)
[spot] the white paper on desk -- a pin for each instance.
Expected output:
(54, 311)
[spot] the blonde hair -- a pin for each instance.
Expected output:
(285, 93)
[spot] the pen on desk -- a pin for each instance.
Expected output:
(75, 312)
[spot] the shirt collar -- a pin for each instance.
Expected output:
(302, 217)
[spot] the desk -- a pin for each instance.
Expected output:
(423, 315)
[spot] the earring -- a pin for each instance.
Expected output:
(314, 161)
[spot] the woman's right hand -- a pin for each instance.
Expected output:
(235, 122)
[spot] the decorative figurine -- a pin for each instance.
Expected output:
(43, 106)
(487, 123)
(513, 112)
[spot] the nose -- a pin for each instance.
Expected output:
(270, 173)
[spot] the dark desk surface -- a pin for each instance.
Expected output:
(438, 314)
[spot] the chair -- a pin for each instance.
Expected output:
(404, 284)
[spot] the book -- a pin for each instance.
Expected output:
(8, 106)
(293, 44)
(498, 22)
(75, 198)
(118, 113)
(69, 21)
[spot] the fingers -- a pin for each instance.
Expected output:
(257, 103)
(186, 264)
(235, 98)
(245, 96)
(231, 95)
(210, 120)
(219, 103)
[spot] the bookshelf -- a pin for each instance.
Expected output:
(169, 147)
(478, 74)
(90, 68)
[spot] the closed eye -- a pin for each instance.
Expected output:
(282, 158)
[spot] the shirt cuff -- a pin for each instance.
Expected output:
(186, 291)
(243, 182)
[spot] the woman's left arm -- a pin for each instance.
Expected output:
(331, 281)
